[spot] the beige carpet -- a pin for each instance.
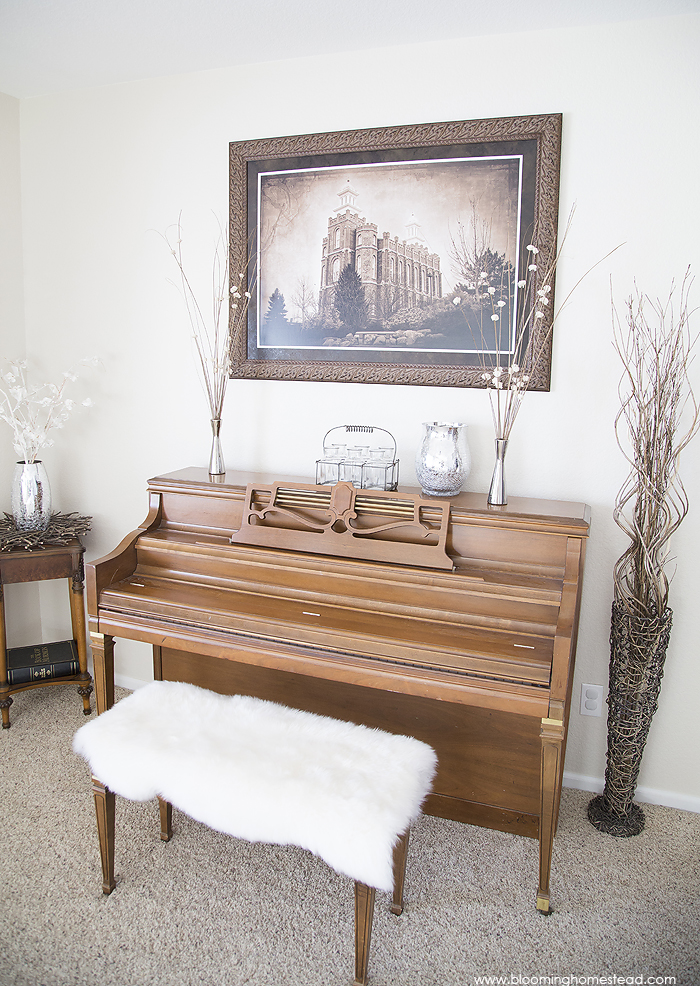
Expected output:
(207, 909)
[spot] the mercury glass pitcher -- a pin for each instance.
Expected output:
(443, 460)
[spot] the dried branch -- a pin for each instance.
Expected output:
(213, 338)
(661, 416)
(507, 384)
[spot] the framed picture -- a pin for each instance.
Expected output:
(376, 256)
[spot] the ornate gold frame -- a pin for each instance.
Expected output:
(540, 134)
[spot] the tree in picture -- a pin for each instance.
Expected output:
(276, 320)
(350, 302)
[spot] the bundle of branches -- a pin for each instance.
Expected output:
(217, 336)
(661, 415)
(62, 529)
(514, 353)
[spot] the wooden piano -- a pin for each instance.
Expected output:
(449, 620)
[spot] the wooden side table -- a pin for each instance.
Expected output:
(36, 565)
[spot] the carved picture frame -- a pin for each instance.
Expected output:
(282, 191)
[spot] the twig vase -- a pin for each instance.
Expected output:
(637, 654)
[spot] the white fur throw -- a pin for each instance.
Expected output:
(265, 773)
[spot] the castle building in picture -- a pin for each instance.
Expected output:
(396, 273)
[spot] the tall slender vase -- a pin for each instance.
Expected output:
(443, 460)
(498, 495)
(31, 496)
(637, 654)
(216, 459)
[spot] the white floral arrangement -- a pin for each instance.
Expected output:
(33, 411)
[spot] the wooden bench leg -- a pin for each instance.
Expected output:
(400, 853)
(104, 808)
(166, 819)
(364, 913)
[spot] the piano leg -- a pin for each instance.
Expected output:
(166, 819)
(103, 666)
(104, 808)
(400, 852)
(552, 736)
(364, 914)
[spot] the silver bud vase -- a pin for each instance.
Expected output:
(216, 459)
(30, 496)
(498, 495)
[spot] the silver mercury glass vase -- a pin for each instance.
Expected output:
(443, 460)
(30, 496)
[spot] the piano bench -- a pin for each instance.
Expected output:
(266, 773)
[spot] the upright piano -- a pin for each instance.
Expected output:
(447, 620)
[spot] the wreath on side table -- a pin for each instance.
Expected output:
(62, 529)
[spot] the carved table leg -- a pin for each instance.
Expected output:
(166, 819)
(103, 665)
(5, 697)
(364, 914)
(552, 736)
(77, 618)
(5, 703)
(400, 853)
(104, 808)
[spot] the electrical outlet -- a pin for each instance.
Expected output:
(591, 700)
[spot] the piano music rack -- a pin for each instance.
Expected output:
(347, 522)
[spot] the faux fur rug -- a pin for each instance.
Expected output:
(262, 772)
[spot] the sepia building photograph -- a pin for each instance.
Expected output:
(368, 256)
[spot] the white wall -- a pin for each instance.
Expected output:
(11, 292)
(103, 169)
(22, 601)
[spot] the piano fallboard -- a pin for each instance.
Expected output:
(443, 625)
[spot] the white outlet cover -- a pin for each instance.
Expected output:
(591, 700)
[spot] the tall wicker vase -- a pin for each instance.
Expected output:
(637, 654)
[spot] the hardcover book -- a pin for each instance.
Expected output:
(55, 660)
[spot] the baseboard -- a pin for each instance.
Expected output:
(645, 795)
(122, 681)
(583, 783)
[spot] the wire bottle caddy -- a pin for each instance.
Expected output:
(359, 454)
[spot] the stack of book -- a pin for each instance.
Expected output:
(56, 660)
